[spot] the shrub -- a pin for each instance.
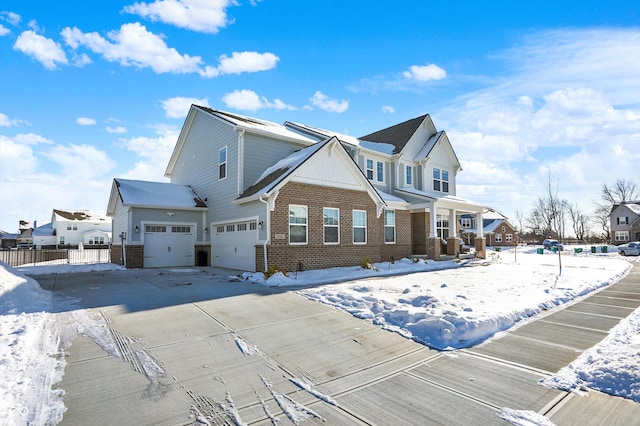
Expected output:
(366, 263)
(273, 269)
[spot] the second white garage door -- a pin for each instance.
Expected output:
(168, 245)
(233, 246)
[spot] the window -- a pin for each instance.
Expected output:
(96, 240)
(370, 169)
(436, 179)
(465, 222)
(242, 227)
(622, 236)
(442, 225)
(359, 227)
(508, 238)
(440, 180)
(61, 240)
(252, 226)
(408, 171)
(220, 229)
(185, 229)
(222, 163)
(297, 224)
(445, 181)
(389, 226)
(504, 229)
(331, 222)
(69, 227)
(623, 220)
(380, 171)
(155, 228)
(231, 228)
(498, 238)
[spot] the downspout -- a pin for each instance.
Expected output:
(268, 239)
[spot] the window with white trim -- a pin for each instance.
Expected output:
(220, 229)
(623, 220)
(252, 226)
(440, 180)
(62, 240)
(621, 236)
(155, 228)
(380, 171)
(498, 238)
(242, 227)
(408, 175)
(297, 224)
(465, 222)
(331, 223)
(359, 227)
(508, 238)
(182, 229)
(231, 228)
(222, 163)
(389, 226)
(369, 170)
(442, 226)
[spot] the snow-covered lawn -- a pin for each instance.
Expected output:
(442, 304)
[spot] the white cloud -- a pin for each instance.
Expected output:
(118, 129)
(206, 16)
(10, 17)
(388, 109)
(178, 107)
(5, 121)
(86, 121)
(4, 30)
(327, 104)
(133, 45)
(425, 73)
(241, 62)
(31, 139)
(17, 159)
(46, 51)
(250, 100)
(80, 161)
(154, 151)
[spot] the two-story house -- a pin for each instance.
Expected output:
(624, 220)
(302, 197)
(497, 230)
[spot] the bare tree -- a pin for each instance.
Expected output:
(550, 213)
(622, 190)
(521, 218)
(579, 222)
(601, 217)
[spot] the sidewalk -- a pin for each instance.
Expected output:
(227, 351)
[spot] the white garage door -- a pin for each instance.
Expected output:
(168, 245)
(233, 246)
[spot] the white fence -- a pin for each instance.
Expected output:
(55, 256)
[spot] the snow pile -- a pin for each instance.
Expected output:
(68, 268)
(457, 307)
(524, 418)
(30, 358)
(612, 366)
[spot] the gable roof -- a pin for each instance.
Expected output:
(139, 193)
(78, 215)
(398, 135)
(278, 175)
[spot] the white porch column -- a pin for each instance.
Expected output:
(453, 224)
(479, 225)
(433, 232)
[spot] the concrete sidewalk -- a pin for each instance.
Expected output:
(230, 351)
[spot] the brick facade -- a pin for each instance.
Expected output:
(315, 254)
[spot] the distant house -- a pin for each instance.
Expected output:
(624, 221)
(252, 194)
(496, 229)
(75, 227)
(7, 240)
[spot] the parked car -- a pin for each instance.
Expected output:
(630, 249)
(549, 244)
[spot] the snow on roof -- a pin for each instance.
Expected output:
(257, 125)
(385, 148)
(634, 207)
(43, 231)
(80, 215)
(144, 193)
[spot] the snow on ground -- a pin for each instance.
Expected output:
(442, 304)
(463, 305)
(612, 366)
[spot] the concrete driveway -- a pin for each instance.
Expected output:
(196, 347)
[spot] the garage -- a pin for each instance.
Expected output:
(233, 245)
(169, 245)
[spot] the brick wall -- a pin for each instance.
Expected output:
(317, 255)
(135, 256)
(116, 254)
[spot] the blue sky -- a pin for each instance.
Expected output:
(90, 91)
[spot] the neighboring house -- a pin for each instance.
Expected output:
(7, 240)
(625, 222)
(496, 228)
(75, 227)
(301, 197)
(156, 224)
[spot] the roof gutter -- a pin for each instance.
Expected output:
(268, 239)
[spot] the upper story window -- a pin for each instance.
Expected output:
(440, 180)
(623, 220)
(408, 175)
(222, 163)
(465, 222)
(331, 223)
(297, 224)
(370, 169)
(380, 171)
